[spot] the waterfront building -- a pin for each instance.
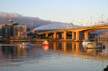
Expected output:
(13, 30)
(20, 31)
(1, 26)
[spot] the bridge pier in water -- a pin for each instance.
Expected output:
(54, 35)
(77, 36)
(46, 34)
(86, 36)
(73, 36)
(77, 30)
(62, 36)
(65, 35)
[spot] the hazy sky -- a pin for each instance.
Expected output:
(77, 11)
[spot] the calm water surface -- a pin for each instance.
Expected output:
(32, 57)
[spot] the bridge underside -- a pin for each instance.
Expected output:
(75, 34)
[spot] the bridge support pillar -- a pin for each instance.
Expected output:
(72, 35)
(46, 34)
(57, 35)
(86, 35)
(54, 35)
(64, 35)
(77, 36)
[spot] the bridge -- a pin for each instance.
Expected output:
(75, 33)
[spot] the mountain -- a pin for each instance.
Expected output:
(8, 15)
(37, 23)
(31, 22)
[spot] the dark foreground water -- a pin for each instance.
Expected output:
(32, 57)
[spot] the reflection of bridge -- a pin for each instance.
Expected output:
(74, 47)
(75, 33)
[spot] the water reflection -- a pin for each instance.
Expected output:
(8, 52)
(17, 51)
(61, 56)
(24, 49)
(45, 45)
(68, 47)
(75, 48)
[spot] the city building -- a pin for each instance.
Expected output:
(1, 26)
(13, 30)
(20, 31)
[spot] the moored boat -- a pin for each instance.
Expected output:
(92, 46)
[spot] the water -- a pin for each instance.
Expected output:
(60, 57)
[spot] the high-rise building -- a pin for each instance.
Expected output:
(8, 29)
(1, 32)
(10, 22)
(13, 30)
(20, 30)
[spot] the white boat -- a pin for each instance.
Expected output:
(90, 46)
(85, 42)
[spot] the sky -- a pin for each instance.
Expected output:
(69, 11)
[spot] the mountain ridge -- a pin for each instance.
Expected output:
(31, 22)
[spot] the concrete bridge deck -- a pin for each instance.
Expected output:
(75, 32)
